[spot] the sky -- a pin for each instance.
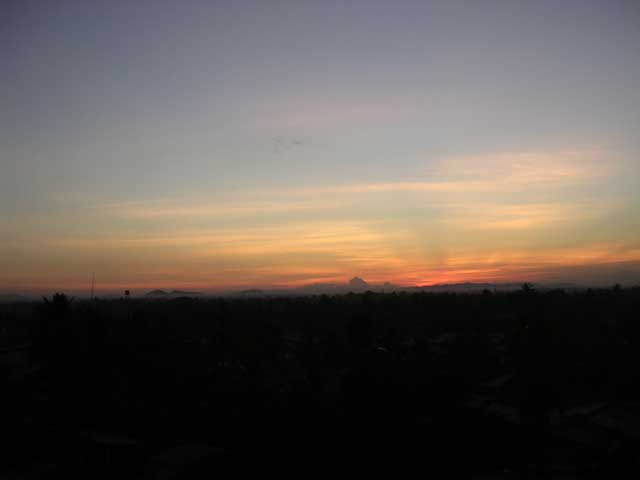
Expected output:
(239, 144)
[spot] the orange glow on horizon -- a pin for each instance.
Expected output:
(508, 217)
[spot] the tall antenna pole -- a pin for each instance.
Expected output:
(93, 281)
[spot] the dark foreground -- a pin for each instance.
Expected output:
(495, 385)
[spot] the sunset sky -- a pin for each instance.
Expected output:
(235, 144)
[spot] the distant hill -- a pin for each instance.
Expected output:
(359, 285)
(252, 292)
(468, 287)
(13, 298)
(184, 293)
(157, 293)
(501, 287)
(171, 294)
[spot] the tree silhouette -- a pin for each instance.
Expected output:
(59, 304)
(527, 288)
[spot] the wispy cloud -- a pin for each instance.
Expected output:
(493, 217)
(217, 208)
(491, 173)
(454, 179)
(484, 215)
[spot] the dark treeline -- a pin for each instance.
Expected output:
(491, 385)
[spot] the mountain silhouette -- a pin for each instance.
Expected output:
(357, 283)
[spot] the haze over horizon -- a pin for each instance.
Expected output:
(220, 145)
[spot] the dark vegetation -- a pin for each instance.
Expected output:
(492, 385)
